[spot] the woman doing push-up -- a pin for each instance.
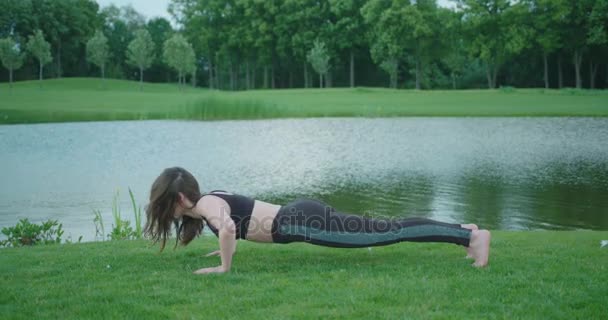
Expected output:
(175, 196)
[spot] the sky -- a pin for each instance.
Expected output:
(158, 8)
(149, 8)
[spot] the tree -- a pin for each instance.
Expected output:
(119, 26)
(319, 59)
(386, 23)
(597, 38)
(547, 25)
(349, 29)
(455, 58)
(40, 49)
(179, 55)
(495, 32)
(98, 52)
(140, 52)
(576, 32)
(11, 56)
(160, 30)
(67, 25)
(204, 24)
(299, 24)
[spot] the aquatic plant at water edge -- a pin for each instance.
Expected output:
(121, 229)
(137, 214)
(99, 228)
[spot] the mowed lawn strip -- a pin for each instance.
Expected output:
(87, 99)
(532, 275)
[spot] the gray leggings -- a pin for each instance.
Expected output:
(312, 221)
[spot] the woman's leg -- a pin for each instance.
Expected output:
(315, 222)
(318, 223)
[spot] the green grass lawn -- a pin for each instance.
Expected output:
(532, 275)
(86, 99)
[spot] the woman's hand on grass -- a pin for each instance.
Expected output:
(218, 269)
(214, 253)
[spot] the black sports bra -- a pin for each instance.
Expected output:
(241, 208)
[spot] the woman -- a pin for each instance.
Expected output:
(175, 195)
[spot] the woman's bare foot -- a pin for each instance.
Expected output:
(469, 226)
(479, 247)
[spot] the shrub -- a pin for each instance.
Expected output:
(26, 233)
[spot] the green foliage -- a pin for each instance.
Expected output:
(598, 23)
(26, 233)
(97, 51)
(391, 66)
(507, 89)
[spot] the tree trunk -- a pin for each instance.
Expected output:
(453, 81)
(320, 80)
(10, 78)
(59, 60)
(265, 77)
(393, 75)
(231, 72)
(494, 76)
(194, 78)
(546, 70)
(328, 79)
(40, 73)
(417, 73)
(253, 77)
(489, 76)
(290, 78)
(103, 76)
(141, 79)
(592, 73)
(218, 76)
(578, 59)
(305, 75)
(247, 79)
(352, 69)
(210, 75)
(560, 74)
(272, 77)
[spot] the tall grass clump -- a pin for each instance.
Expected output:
(215, 108)
(100, 232)
(121, 229)
(137, 214)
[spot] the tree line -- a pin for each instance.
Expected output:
(247, 44)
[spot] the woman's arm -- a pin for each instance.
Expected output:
(218, 215)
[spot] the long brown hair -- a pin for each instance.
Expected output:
(164, 197)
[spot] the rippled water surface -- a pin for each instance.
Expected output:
(502, 173)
